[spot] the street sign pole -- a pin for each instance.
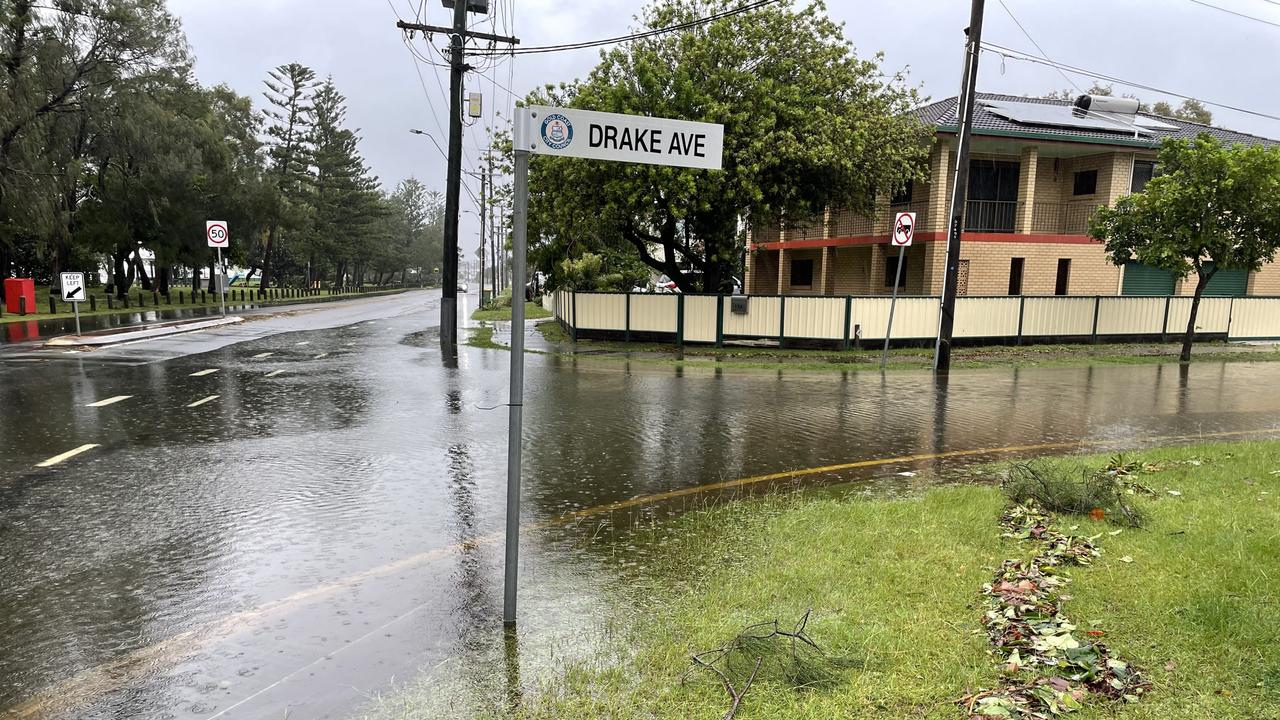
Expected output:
(599, 136)
(515, 423)
(222, 284)
(893, 305)
(904, 232)
(73, 291)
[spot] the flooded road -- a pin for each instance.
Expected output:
(319, 517)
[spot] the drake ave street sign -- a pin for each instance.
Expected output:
(621, 138)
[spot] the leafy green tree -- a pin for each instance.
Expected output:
(1212, 208)
(289, 96)
(807, 125)
(60, 60)
(419, 235)
(1189, 110)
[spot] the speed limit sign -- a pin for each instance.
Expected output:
(216, 232)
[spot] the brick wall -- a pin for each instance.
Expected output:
(792, 255)
(851, 270)
(989, 263)
(1266, 281)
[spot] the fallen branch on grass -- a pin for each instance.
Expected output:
(758, 644)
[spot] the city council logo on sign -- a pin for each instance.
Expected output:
(557, 131)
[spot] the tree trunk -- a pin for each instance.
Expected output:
(266, 257)
(1201, 281)
(195, 280)
(162, 279)
(141, 270)
(122, 273)
(5, 265)
(212, 265)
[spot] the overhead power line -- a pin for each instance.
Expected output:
(1028, 57)
(627, 38)
(1238, 14)
(1043, 54)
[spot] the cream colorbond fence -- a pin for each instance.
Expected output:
(848, 320)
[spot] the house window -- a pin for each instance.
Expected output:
(802, 273)
(993, 196)
(1064, 277)
(1016, 266)
(1143, 171)
(891, 270)
(1086, 183)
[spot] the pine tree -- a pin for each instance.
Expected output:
(350, 210)
(290, 90)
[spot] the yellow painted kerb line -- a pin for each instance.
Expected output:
(104, 678)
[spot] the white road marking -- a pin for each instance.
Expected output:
(202, 373)
(260, 356)
(304, 342)
(67, 455)
(274, 373)
(320, 356)
(202, 401)
(109, 401)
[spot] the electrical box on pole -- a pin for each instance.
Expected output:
(480, 7)
(475, 105)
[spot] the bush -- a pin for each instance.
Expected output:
(1072, 488)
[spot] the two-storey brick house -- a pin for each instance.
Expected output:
(1037, 173)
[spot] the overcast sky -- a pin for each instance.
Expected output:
(1177, 45)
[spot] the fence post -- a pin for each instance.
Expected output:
(782, 321)
(93, 303)
(573, 302)
(53, 306)
(1231, 312)
(1022, 311)
(1097, 305)
(110, 305)
(22, 305)
(627, 324)
(719, 321)
(1164, 329)
(848, 318)
(680, 320)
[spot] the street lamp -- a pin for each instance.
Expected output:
(430, 137)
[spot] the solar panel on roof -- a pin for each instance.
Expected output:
(1062, 116)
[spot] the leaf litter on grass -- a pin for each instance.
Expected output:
(1028, 630)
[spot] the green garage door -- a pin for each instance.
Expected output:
(1228, 283)
(1142, 279)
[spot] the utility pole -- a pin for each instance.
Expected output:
(959, 190)
(483, 203)
(458, 35)
(493, 230)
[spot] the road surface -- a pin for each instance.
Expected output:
(293, 515)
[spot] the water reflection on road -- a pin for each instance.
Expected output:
(309, 536)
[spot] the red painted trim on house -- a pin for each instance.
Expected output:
(929, 237)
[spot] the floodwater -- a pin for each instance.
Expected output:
(328, 525)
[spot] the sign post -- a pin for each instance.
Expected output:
(73, 291)
(583, 134)
(215, 231)
(904, 231)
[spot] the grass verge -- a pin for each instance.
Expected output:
(894, 586)
(532, 311)
(773, 358)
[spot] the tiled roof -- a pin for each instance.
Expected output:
(942, 115)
